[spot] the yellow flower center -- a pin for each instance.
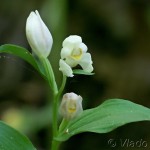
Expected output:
(72, 107)
(77, 54)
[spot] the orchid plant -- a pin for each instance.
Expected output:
(104, 118)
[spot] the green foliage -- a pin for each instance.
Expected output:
(108, 116)
(105, 118)
(79, 71)
(24, 54)
(10, 139)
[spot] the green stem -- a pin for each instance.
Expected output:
(55, 144)
(62, 87)
(50, 75)
(63, 125)
(52, 83)
(56, 96)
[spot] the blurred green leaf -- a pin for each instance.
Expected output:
(79, 71)
(11, 139)
(24, 54)
(105, 118)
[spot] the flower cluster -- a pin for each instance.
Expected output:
(73, 53)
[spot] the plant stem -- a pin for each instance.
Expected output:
(61, 88)
(52, 83)
(50, 75)
(55, 144)
(63, 125)
(56, 96)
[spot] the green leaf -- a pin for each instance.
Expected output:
(10, 139)
(105, 118)
(79, 71)
(22, 53)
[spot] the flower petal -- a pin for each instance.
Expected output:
(86, 62)
(83, 47)
(65, 68)
(71, 62)
(65, 52)
(72, 40)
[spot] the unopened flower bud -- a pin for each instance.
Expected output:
(38, 35)
(71, 106)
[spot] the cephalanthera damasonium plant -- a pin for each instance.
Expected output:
(108, 116)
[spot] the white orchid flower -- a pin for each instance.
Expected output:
(74, 52)
(71, 106)
(38, 35)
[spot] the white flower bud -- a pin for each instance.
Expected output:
(74, 52)
(71, 106)
(38, 35)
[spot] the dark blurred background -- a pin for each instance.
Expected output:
(117, 33)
